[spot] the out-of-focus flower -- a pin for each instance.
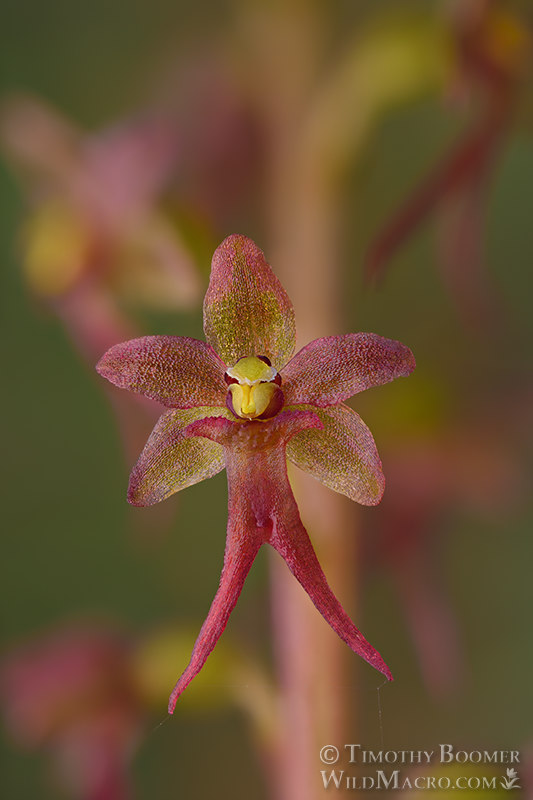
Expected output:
(492, 48)
(93, 222)
(94, 240)
(84, 694)
(231, 677)
(218, 176)
(71, 693)
(455, 466)
(243, 403)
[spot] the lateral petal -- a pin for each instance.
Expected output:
(174, 370)
(342, 455)
(329, 370)
(246, 309)
(171, 460)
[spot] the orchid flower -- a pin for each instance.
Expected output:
(241, 402)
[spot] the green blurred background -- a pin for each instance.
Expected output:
(72, 547)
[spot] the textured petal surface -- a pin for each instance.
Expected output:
(171, 460)
(258, 487)
(343, 455)
(261, 496)
(174, 370)
(254, 439)
(262, 509)
(241, 549)
(329, 370)
(292, 542)
(246, 310)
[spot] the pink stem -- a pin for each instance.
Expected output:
(468, 160)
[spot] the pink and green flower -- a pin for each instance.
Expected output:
(243, 402)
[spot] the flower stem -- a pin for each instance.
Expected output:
(302, 209)
(312, 662)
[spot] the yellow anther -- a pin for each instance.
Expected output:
(255, 390)
(247, 400)
(250, 402)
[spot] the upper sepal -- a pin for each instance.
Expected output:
(246, 309)
(329, 370)
(174, 370)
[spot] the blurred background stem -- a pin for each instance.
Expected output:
(302, 214)
(311, 659)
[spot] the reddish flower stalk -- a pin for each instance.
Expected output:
(472, 157)
(490, 50)
(241, 402)
(468, 465)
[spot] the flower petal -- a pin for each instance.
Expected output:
(171, 460)
(292, 542)
(241, 549)
(261, 509)
(174, 370)
(257, 484)
(342, 455)
(329, 370)
(246, 310)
